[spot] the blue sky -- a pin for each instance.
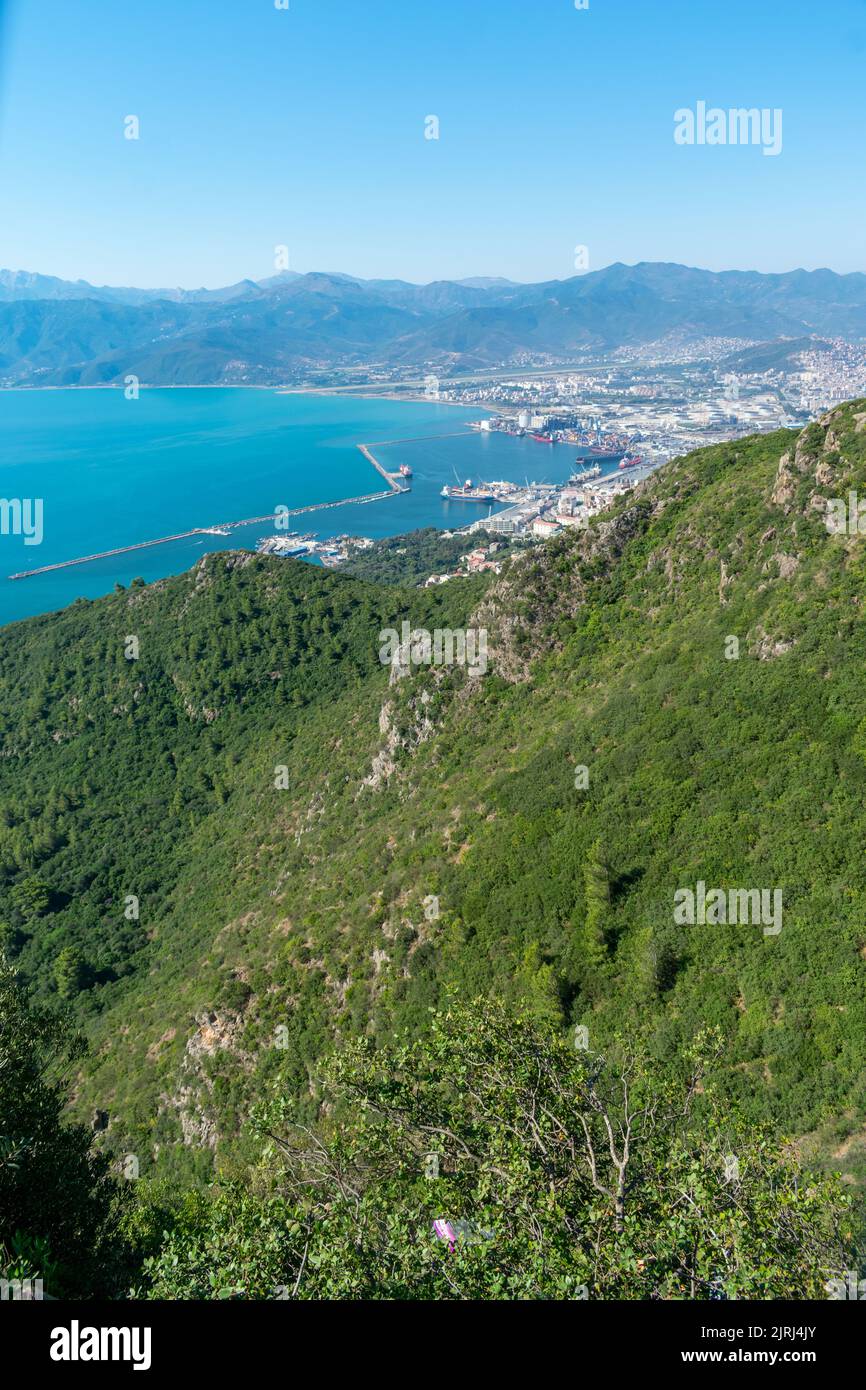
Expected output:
(262, 127)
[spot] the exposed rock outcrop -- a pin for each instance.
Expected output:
(216, 1032)
(817, 467)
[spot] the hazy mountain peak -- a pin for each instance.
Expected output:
(65, 332)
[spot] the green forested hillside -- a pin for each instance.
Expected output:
(413, 558)
(435, 836)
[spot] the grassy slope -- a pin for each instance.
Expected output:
(304, 909)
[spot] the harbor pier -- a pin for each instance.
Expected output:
(222, 528)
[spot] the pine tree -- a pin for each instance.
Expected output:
(536, 982)
(31, 896)
(596, 879)
(69, 971)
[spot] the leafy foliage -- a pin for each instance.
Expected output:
(58, 1206)
(561, 1175)
(414, 557)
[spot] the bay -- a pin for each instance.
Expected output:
(112, 472)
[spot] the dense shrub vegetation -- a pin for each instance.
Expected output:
(560, 1175)
(249, 850)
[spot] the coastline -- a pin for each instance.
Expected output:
(361, 393)
(365, 394)
(170, 386)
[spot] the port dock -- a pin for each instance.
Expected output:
(390, 478)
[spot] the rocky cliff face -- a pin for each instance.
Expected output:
(820, 463)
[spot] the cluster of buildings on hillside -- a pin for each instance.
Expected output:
(828, 372)
(666, 399)
(473, 562)
(552, 508)
(555, 507)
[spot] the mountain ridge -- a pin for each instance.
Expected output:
(291, 326)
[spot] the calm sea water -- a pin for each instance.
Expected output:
(111, 472)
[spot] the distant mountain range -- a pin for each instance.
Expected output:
(292, 327)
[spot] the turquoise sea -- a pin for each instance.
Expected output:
(112, 471)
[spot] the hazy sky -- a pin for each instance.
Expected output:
(305, 127)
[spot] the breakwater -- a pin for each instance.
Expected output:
(222, 527)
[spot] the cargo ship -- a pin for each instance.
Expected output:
(542, 438)
(586, 473)
(467, 493)
(602, 446)
(631, 461)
